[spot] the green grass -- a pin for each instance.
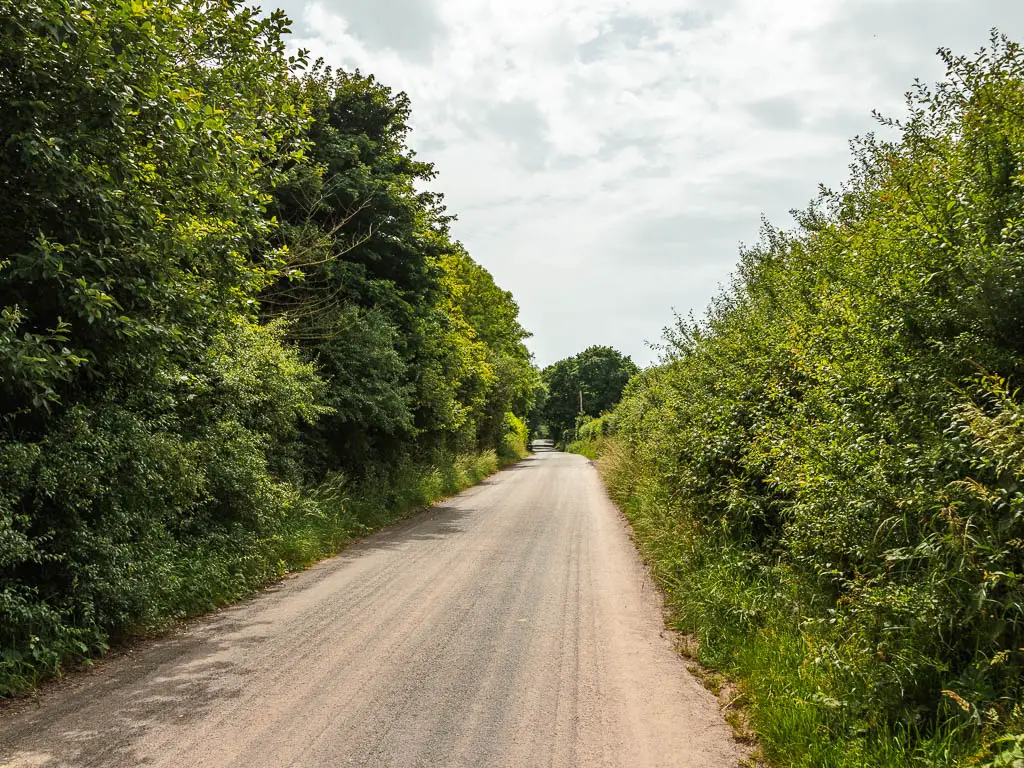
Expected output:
(589, 447)
(751, 630)
(341, 512)
(586, 448)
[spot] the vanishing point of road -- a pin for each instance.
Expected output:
(513, 625)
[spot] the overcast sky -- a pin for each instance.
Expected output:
(606, 158)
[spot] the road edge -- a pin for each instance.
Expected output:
(129, 643)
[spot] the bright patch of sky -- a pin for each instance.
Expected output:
(606, 158)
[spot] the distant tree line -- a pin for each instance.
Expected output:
(229, 311)
(587, 384)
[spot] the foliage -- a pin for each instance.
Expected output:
(416, 339)
(489, 318)
(134, 171)
(514, 439)
(146, 505)
(591, 433)
(825, 471)
(234, 333)
(595, 377)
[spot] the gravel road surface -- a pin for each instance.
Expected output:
(511, 626)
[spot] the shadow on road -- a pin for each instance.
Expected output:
(176, 680)
(434, 523)
(166, 683)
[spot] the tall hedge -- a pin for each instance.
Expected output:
(828, 467)
(233, 331)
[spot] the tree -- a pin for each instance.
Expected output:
(492, 319)
(140, 141)
(589, 383)
(603, 374)
(422, 351)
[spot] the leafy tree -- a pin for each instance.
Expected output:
(561, 398)
(360, 284)
(421, 348)
(596, 377)
(134, 175)
(492, 317)
(603, 373)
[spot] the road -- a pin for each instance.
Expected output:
(511, 626)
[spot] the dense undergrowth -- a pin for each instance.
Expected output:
(234, 331)
(827, 471)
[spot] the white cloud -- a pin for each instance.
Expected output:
(605, 157)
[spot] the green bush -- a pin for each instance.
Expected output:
(590, 435)
(514, 439)
(826, 470)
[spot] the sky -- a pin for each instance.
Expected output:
(606, 159)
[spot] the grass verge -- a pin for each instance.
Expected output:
(588, 448)
(746, 630)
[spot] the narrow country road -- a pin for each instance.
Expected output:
(510, 626)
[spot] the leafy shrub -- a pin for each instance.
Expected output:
(513, 441)
(822, 480)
